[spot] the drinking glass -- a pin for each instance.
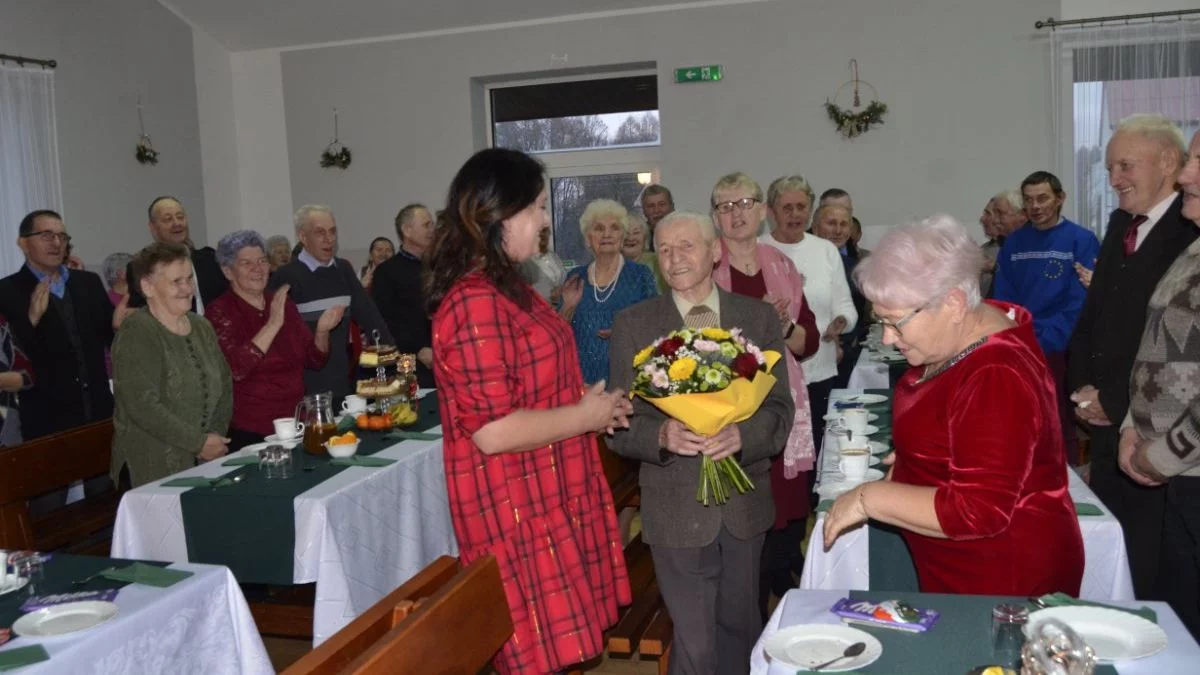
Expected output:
(275, 462)
(1008, 623)
(27, 565)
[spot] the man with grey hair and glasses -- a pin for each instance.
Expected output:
(320, 280)
(1146, 233)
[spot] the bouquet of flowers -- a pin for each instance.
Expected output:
(707, 379)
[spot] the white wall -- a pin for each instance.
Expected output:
(109, 52)
(966, 83)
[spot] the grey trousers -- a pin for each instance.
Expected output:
(712, 594)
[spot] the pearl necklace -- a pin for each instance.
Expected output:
(612, 285)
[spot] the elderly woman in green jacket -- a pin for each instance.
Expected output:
(173, 389)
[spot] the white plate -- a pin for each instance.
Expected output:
(14, 583)
(865, 399)
(64, 619)
(1114, 635)
(837, 417)
(812, 644)
(839, 429)
(888, 357)
(878, 448)
(275, 440)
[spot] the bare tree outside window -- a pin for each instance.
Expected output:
(581, 132)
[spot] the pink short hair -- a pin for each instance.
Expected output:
(919, 262)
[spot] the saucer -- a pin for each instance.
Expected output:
(839, 429)
(837, 417)
(288, 443)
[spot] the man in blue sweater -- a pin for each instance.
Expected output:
(1035, 269)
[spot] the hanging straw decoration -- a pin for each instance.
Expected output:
(145, 152)
(335, 153)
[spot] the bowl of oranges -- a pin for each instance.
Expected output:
(373, 422)
(344, 445)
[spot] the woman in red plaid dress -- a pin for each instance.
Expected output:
(524, 480)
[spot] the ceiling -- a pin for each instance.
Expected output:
(242, 25)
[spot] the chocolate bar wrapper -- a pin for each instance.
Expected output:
(43, 601)
(892, 614)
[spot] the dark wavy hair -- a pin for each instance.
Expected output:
(493, 185)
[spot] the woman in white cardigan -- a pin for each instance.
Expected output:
(790, 199)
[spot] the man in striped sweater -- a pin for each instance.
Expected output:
(1160, 437)
(320, 280)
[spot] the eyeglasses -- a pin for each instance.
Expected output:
(49, 237)
(743, 204)
(897, 325)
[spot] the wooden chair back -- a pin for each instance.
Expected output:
(443, 620)
(53, 463)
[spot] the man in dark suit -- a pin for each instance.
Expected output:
(396, 289)
(169, 224)
(63, 319)
(1144, 237)
(706, 558)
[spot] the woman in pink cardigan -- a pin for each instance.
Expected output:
(757, 270)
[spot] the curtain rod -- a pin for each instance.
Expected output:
(22, 60)
(1053, 23)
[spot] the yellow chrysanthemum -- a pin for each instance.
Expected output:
(642, 356)
(715, 333)
(682, 369)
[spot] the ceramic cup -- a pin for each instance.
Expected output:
(855, 420)
(854, 463)
(354, 404)
(288, 428)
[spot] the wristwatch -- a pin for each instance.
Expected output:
(791, 329)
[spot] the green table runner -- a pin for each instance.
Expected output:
(960, 641)
(58, 573)
(250, 526)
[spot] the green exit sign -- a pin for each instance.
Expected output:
(698, 74)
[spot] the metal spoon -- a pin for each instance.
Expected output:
(851, 651)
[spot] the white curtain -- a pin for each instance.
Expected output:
(1105, 73)
(29, 175)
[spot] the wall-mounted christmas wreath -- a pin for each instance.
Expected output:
(144, 150)
(856, 120)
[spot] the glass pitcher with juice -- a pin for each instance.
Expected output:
(316, 412)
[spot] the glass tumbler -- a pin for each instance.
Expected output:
(275, 462)
(1008, 623)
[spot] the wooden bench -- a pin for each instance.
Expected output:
(644, 627)
(443, 620)
(54, 463)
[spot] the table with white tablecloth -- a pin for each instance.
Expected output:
(359, 534)
(798, 607)
(870, 371)
(198, 625)
(1106, 565)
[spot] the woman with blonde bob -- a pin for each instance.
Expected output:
(979, 482)
(748, 267)
(593, 295)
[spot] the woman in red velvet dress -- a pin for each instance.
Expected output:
(522, 470)
(979, 483)
(760, 271)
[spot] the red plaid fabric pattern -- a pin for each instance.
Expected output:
(547, 514)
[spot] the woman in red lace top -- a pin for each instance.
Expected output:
(979, 483)
(265, 341)
(522, 473)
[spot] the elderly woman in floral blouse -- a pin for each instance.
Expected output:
(264, 339)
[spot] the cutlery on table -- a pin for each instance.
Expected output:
(851, 651)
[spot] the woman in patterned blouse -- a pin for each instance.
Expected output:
(16, 374)
(522, 473)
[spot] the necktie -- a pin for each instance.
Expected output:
(1130, 239)
(700, 316)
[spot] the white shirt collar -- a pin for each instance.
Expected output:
(312, 263)
(1153, 216)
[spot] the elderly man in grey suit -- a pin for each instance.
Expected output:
(706, 558)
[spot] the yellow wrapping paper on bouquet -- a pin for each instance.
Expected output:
(708, 413)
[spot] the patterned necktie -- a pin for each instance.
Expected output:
(1130, 238)
(699, 317)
